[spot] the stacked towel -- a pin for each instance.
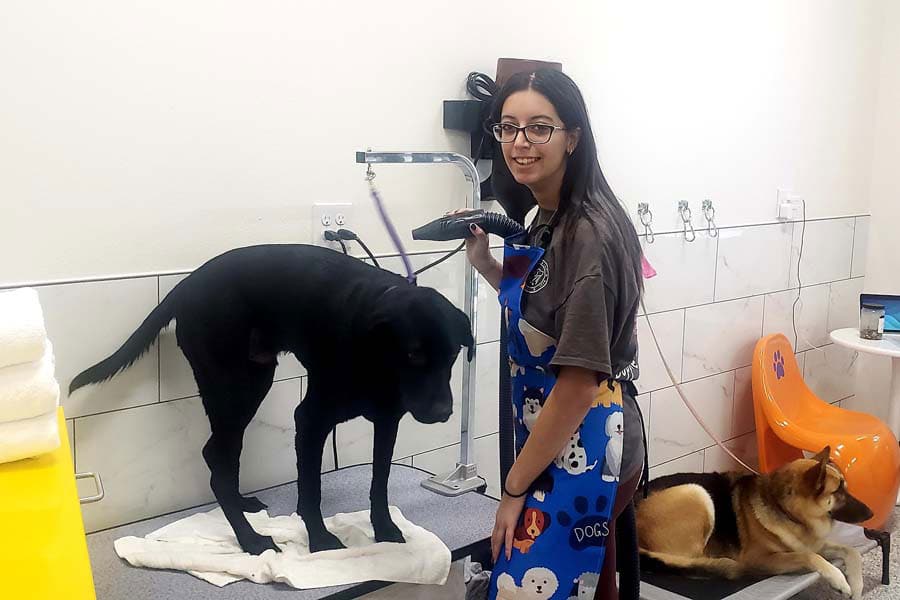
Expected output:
(22, 332)
(29, 392)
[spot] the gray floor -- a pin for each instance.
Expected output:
(871, 573)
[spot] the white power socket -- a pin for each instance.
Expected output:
(330, 216)
(789, 206)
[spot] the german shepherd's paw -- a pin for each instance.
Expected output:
(256, 544)
(251, 504)
(836, 579)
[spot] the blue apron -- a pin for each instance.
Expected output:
(560, 542)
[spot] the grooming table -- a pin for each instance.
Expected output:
(655, 586)
(463, 523)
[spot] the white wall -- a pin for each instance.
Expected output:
(883, 269)
(147, 137)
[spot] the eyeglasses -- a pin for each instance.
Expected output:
(536, 133)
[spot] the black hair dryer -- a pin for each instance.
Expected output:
(456, 227)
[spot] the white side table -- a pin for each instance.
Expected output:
(888, 346)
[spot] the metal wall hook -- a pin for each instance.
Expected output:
(646, 218)
(685, 211)
(709, 213)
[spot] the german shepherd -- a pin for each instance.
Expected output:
(734, 524)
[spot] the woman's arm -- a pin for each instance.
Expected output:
(564, 410)
(491, 273)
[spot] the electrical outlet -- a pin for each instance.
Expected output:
(789, 206)
(330, 216)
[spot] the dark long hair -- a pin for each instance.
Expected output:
(584, 187)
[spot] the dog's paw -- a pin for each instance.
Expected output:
(257, 544)
(325, 541)
(251, 504)
(389, 532)
(836, 579)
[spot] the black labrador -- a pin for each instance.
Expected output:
(373, 346)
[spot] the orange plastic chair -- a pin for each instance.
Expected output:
(790, 418)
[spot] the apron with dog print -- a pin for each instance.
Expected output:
(560, 542)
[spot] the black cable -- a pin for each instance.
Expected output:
(346, 234)
(481, 86)
(442, 259)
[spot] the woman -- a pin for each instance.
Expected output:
(570, 289)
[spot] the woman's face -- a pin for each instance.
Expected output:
(539, 166)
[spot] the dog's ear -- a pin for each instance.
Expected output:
(462, 328)
(815, 476)
(546, 520)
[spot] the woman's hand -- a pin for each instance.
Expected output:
(478, 251)
(505, 523)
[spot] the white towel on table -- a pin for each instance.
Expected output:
(205, 546)
(22, 331)
(28, 437)
(30, 389)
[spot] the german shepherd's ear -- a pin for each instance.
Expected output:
(814, 478)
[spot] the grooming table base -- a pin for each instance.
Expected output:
(463, 523)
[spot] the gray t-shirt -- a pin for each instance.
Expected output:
(583, 297)
(583, 294)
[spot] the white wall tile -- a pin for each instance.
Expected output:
(87, 322)
(872, 405)
(843, 303)
(872, 388)
(738, 269)
(437, 461)
(830, 373)
(745, 448)
(488, 324)
(720, 337)
(487, 385)
(448, 277)
(487, 459)
(354, 439)
(645, 404)
(692, 463)
(811, 316)
(176, 379)
(269, 456)
(673, 430)
(743, 420)
(685, 272)
(827, 251)
(669, 329)
(860, 246)
(70, 429)
(150, 457)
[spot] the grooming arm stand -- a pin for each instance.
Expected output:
(464, 478)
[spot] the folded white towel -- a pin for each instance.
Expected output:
(22, 331)
(205, 546)
(28, 437)
(30, 389)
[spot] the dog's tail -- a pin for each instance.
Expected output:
(661, 562)
(133, 348)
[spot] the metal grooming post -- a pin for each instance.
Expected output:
(464, 478)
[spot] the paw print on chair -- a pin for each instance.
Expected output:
(778, 364)
(590, 530)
